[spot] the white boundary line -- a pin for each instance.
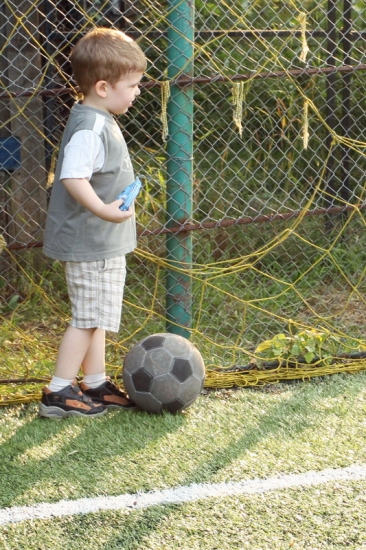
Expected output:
(179, 495)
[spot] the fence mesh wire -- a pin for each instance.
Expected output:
(278, 192)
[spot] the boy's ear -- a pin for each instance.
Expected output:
(101, 88)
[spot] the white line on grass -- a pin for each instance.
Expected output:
(178, 495)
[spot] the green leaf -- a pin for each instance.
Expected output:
(295, 350)
(310, 346)
(13, 302)
(308, 356)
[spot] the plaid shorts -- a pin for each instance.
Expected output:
(96, 292)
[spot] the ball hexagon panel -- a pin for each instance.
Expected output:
(158, 361)
(165, 388)
(148, 402)
(190, 389)
(197, 363)
(178, 346)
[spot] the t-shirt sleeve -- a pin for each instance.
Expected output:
(83, 155)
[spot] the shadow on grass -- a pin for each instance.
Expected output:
(73, 444)
(270, 424)
(68, 451)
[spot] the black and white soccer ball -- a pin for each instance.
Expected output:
(163, 372)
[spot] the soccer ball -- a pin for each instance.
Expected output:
(163, 372)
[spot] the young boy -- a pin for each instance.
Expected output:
(85, 227)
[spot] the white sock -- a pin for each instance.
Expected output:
(58, 384)
(94, 380)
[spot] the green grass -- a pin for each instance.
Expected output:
(227, 435)
(321, 518)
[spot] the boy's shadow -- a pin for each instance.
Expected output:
(44, 452)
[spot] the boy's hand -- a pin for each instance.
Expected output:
(112, 213)
(82, 191)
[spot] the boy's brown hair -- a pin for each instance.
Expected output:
(105, 54)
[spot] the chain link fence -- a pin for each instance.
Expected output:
(277, 226)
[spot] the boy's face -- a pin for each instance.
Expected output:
(120, 96)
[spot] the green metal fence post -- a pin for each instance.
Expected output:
(179, 165)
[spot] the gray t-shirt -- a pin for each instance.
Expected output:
(72, 232)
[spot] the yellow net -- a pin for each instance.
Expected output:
(278, 224)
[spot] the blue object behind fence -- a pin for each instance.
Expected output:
(10, 154)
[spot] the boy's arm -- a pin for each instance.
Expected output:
(81, 190)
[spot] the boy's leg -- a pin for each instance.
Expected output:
(73, 349)
(93, 361)
(62, 398)
(95, 384)
(93, 364)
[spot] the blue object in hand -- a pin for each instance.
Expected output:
(129, 194)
